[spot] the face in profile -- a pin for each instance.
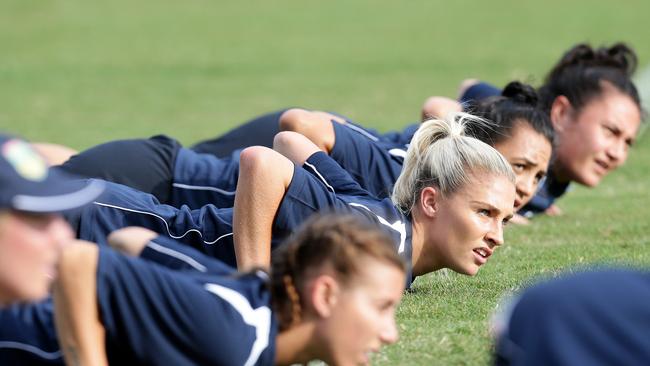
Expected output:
(596, 139)
(363, 318)
(469, 223)
(528, 153)
(29, 249)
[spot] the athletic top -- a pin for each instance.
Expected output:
(144, 164)
(28, 336)
(201, 312)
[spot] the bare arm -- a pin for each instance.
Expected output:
(294, 146)
(54, 154)
(131, 240)
(439, 107)
(80, 332)
(264, 176)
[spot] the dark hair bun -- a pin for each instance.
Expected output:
(619, 56)
(520, 93)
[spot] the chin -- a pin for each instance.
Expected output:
(590, 181)
(468, 271)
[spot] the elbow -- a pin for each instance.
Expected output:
(295, 119)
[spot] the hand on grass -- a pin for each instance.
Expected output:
(553, 210)
(519, 220)
(131, 240)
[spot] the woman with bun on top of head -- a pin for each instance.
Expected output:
(596, 113)
(522, 133)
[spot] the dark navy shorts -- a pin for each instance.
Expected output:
(144, 164)
(202, 179)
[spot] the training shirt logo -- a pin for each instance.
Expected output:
(27, 162)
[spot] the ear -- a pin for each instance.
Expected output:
(429, 199)
(324, 295)
(561, 113)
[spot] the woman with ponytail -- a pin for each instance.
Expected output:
(331, 295)
(453, 226)
(595, 110)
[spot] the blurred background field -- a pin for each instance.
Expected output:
(81, 72)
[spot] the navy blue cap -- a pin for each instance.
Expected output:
(27, 184)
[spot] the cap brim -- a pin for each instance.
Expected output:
(59, 192)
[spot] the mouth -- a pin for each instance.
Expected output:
(482, 254)
(518, 203)
(603, 166)
(365, 359)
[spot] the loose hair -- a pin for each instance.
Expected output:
(583, 73)
(442, 156)
(336, 241)
(517, 104)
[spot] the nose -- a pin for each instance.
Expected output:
(494, 237)
(525, 187)
(617, 152)
(389, 333)
(60, 231)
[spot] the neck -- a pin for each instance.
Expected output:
(559, 175)
(424, 257)
(296, 345)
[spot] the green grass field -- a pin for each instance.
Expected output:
(80, 73)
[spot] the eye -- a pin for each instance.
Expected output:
(539, 177)
(506, 221)
(629, 143)
(483, 212)
(386, 306)
(610, 131)
(517, 168)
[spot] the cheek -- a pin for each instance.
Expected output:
(355, 328)
(22, 269)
